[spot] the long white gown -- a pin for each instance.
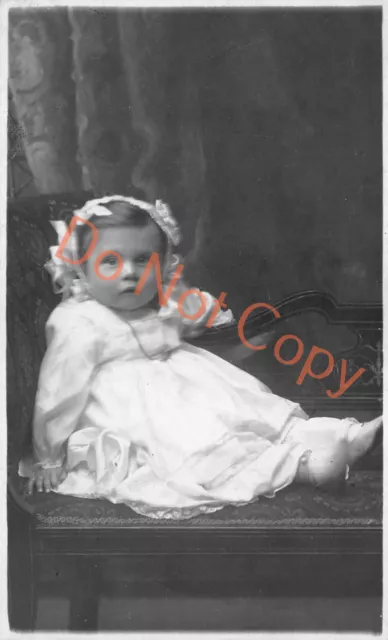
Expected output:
(165, 427)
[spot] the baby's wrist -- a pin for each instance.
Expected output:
(49, 464)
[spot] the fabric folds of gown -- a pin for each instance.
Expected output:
(167, 428)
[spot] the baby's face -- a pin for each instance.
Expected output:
(135, 245)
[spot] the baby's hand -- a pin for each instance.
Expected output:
(46, 479)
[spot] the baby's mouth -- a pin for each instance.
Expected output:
(130, 288)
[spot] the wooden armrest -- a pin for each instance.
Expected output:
(357, 315)
(18, 499)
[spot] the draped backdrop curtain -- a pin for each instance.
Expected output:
(108, 103)
(261, 129)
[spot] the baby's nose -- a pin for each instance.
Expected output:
(128, 270)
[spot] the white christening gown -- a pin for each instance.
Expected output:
(167, 428)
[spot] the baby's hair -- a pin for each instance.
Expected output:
(123, 215)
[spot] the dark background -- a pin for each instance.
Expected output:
(262, 129)
(291, 116)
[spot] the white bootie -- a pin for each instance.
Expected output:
(324, 466)
(361, 436)
(332, 446)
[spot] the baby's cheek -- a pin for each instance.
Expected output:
(104, 288)
(150, 283)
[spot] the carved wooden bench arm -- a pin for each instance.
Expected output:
(354, 316)
(17, 499)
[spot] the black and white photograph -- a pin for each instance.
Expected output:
(194, 319)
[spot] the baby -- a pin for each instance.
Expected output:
(128, 411)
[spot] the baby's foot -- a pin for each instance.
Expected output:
(360, 438)
(324, 467)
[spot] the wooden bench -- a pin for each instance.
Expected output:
(303, 541)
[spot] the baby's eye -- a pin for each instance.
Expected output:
(143, 259)
(109, 260)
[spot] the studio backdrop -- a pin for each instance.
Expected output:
(262, 129)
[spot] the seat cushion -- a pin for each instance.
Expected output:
(358, 503)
